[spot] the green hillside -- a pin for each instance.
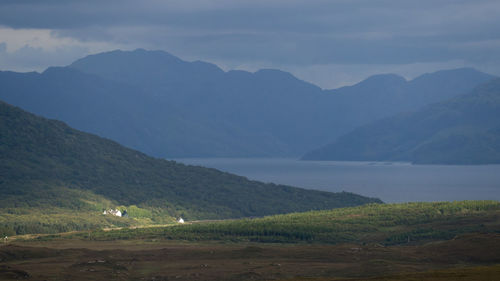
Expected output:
(48, 168)
(462, 130)
(387, 224)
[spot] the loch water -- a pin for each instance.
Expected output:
(389, 181)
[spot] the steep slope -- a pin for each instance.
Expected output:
(462, 130)
(47, 158)
(161, 105)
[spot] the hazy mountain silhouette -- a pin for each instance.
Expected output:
(166, 107)
(461, 130)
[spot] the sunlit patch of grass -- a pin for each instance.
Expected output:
(388, 224)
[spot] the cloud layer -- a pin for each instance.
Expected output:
(361, 35)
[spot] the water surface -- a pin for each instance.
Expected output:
(391, 182)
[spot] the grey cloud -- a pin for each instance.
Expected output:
(278, 32)
(315, 16)
(29, 58)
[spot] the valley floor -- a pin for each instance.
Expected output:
(466, 257)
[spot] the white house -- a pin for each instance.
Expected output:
(114, 212)
(180, 220)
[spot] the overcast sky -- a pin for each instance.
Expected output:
(330, 43)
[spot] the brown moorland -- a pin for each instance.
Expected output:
(467, 257)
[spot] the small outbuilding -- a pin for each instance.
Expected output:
(180, 220)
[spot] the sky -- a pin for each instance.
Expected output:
(330, 43)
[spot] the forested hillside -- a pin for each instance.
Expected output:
(49, 171)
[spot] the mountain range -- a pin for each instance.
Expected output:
(460, 130)
(166, 107)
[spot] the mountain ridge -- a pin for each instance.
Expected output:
(461, 130)
(195, 109)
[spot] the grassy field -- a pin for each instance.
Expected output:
(387, 224)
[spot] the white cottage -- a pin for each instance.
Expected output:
(117, 213)
(180, 220)
(114, 212)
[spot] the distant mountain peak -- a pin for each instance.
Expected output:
(273, 71)
(379, 81)
(56, 70)
(465, 72)
(277, 75)
(144, 66)
(141, 50)
(456, 70)
(121, 57)
(384, 78)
